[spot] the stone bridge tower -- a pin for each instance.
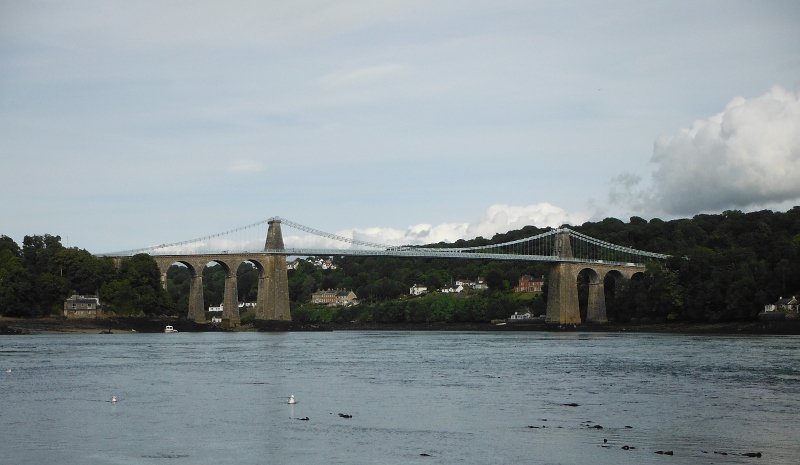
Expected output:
(273, 302)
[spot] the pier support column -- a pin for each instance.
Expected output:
(276, 279)
(197, 309)
(562, 296)
(261, 299)
(230, 302)
(596, 309)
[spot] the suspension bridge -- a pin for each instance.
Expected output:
(568, 252)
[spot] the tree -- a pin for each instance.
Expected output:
(138, 289)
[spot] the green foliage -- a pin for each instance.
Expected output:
(434, 308)
(137, 289)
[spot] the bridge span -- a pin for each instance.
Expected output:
(568, 253)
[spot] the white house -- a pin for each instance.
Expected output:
(242, 306)
(788, 304)
(520, 316)
(418, 289)
(453, 289)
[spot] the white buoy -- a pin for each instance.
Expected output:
(291, 400)
(8, 370)
(113, 399)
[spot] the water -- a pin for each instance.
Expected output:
(460, 397)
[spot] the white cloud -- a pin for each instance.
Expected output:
(748, 155)
(498, 219)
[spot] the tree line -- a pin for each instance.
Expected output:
(36, 278)
(723, 267)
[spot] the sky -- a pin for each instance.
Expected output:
(129, 124)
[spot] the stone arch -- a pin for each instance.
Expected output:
(563, 306)
(588, 304)
(596, 303)
(611, 286)
(230, 298)
(261, 299)
(195, 286)
(196, 310)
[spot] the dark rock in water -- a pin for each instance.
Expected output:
(303, 419)
(425, 455)
(605, 440)
(752, 454)
(720, 453)
(596, 427)
(628, 447)
(529, 426)
(573, 404)
(669, 452)
(628, 427)
(344, 415)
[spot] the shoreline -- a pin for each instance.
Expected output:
(132, 325)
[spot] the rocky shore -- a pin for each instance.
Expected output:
(154, 325)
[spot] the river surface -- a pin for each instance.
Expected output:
(459, 397)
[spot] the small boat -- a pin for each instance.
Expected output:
(113, 399)
(291, 400)
(170, 329)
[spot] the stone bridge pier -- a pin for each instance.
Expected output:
(272, 302)
(562, 295)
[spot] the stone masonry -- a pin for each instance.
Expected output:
(273, 282)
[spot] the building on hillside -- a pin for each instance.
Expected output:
(480, 284)
(528, 283)
(322, 263)
(292, 265)
(216, 319)
(83, 306)
(789, 304)
(335, 297)
(520, 317)
(465, 283)
(453, 289)
(418, 289)
(242, 306)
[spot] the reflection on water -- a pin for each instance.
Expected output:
(458, 397)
